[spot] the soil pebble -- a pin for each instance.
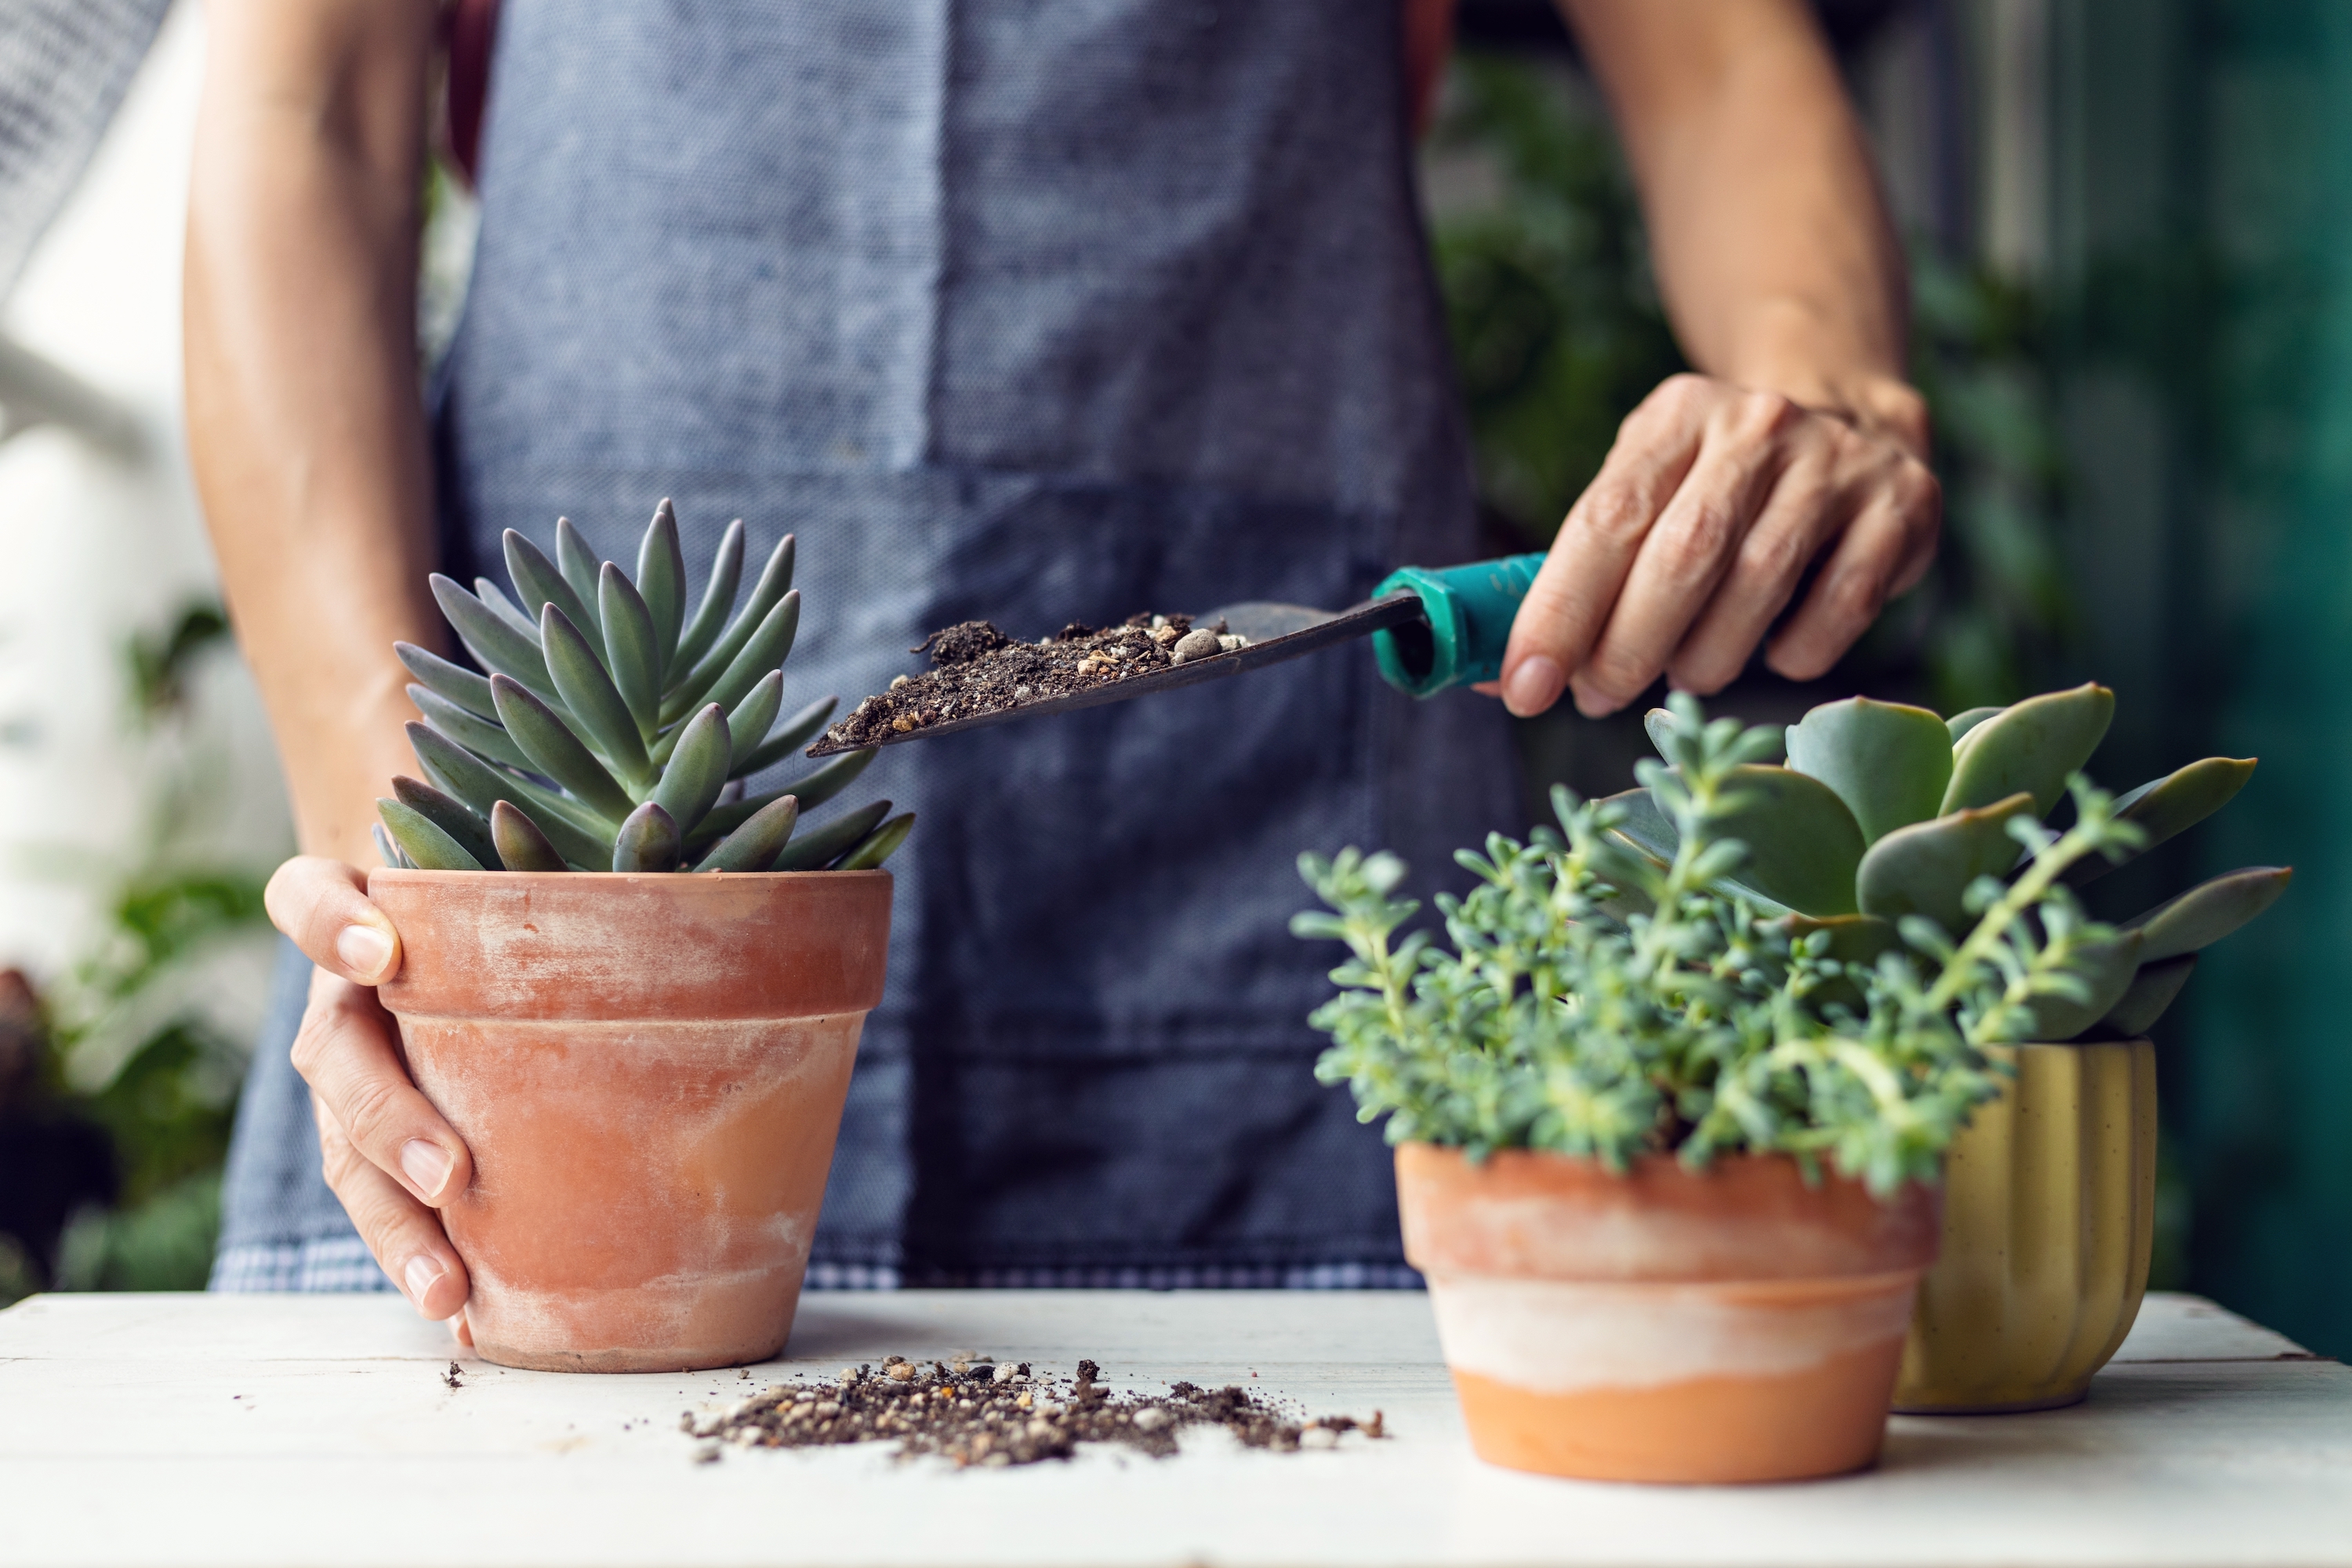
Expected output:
(991, 1416)
(978, 670)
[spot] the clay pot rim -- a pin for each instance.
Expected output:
(683, 879)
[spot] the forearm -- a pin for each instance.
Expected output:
(305, 422)
(1778, 267)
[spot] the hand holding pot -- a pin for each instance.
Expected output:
(388, 1155)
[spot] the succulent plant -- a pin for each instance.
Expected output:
(612, 728)
(1885, 813)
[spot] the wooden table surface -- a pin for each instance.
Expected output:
(320, 1430)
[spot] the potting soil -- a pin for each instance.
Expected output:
(974, 1412)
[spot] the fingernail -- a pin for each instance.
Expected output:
(426, 1162)
(423, 1270)
(1533, 686)
(364, 950)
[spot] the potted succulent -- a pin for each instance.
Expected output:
(636, 993)
(1887, 813)
(1666, 1147)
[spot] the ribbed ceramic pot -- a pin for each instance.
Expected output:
(650, 1071)
(2048, 1218)
(1731, 1325)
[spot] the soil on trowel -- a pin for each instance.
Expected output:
(977, 669)
(992, 1415)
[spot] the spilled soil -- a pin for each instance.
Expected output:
(978, 1412)
(977, 669)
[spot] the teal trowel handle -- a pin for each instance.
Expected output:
(1469, 611)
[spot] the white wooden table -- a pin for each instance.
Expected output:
(265, 1430)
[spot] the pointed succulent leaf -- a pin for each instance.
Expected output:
(2105, 970)
(1803, 845)
(753, 845)
(448, 813)
(494, 598)
(2209, 912)
(483, 737)
(540, 582)
(632, 651)
(2168, 806)
(697, 769)
(497, 645)
(648, 841)
(1924, 868)
(821, 846)
(426, 847)
(2034, 745)
(455, 682)
(814, 788)
(1887, 761)
(2152, 991)
(386, 848)
(752, 718)
(578, 562)
(685, 688)
(556, 751)
(481, 786)
(788, 738)
(589, 692)
(661, 578)
(878, 845)
(1959, 724)
(520, 846)
(767, 647)
(717, 598)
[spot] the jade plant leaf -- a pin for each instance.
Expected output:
(2034, 745)
(1887, 761)
(630, 648)
(697, 769)
(541, 582)
(2106, 970)
(1926, 868)
(2152, 991)
(1960, 723)
(555, 751)
(2209, 912)
(448, 813)
(820, 848)
(878, 845)
(753, 845)
(478, 735)
(648, 841)
(684, 693)
(717, 598)
(1803, 845)
(459, 685)
(752, 718)
(2171, 806)
(481, 786)
(498, 645)
(661, 578)
(426, 847)
(520, 846)
(578, 564)
(591, 695)
(794, 733)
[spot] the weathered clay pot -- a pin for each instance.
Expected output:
(2049, 1221)
(650, 1071)
(1734, 1325)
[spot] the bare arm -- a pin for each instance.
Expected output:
(304, 414)
(307, 437)
(1799, 442)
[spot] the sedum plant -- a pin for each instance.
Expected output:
(1884, 811)
(1602, 1000)
(613, 727)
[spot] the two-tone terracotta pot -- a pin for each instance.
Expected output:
(650, 1071)
(1729, 1325)
(2048, 1222)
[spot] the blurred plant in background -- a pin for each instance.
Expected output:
(117, 1089)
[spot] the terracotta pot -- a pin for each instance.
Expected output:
(650, 1071)
(2049, 1219)
(1735, 1325)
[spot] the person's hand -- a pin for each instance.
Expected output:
(387, 1153)
(1709, 510)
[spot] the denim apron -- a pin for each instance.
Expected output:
(1035, 311)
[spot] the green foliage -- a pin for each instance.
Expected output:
(610, 728)
(1700, 1022)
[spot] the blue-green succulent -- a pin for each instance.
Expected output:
(613, 729)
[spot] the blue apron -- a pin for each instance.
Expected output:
(1034, 311)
